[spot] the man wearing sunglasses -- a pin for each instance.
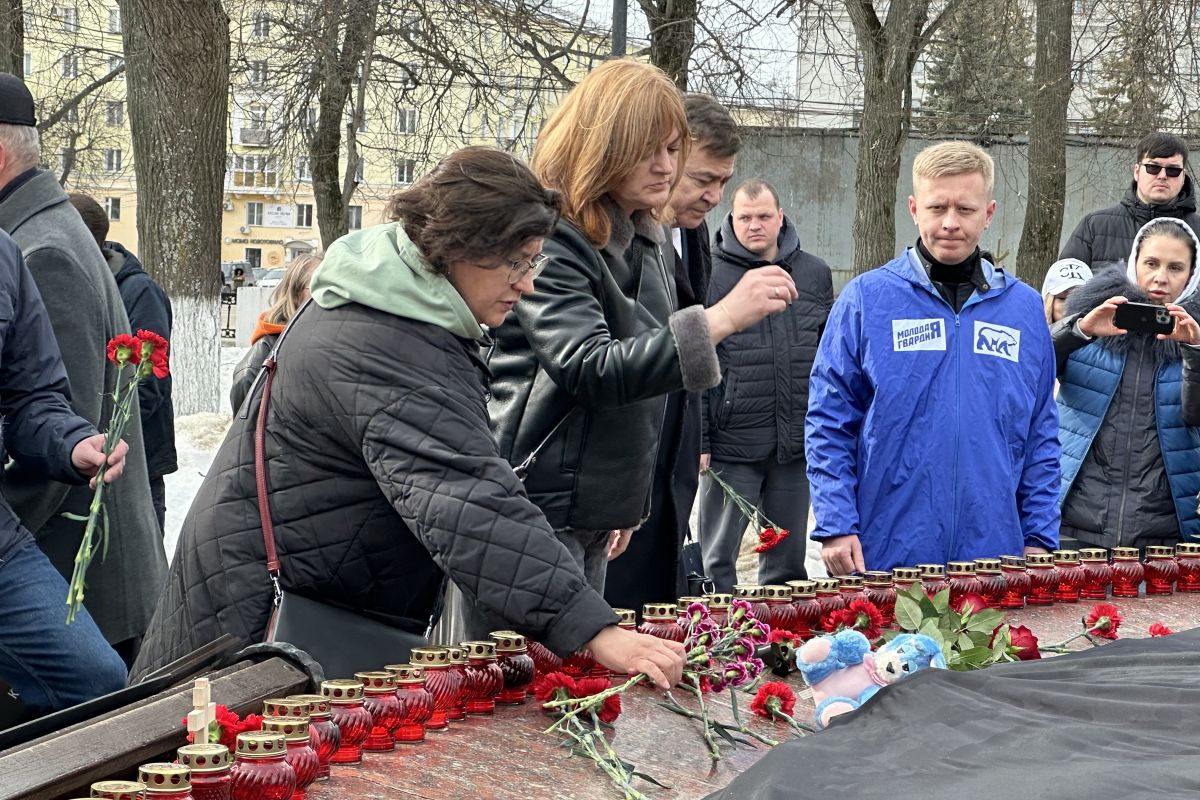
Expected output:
(1161, 187)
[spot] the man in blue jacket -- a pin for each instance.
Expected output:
(932, 433)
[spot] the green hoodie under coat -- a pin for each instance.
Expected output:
(381, 268)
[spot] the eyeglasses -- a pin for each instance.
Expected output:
(1153, 169)
(517, 270)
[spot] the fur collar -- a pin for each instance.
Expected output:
(624, 228)
(1109, 282)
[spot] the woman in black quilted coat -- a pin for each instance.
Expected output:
(382, 473)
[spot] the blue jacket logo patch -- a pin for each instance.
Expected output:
(918, 334)
(998, 340)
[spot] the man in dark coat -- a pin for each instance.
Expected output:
(85, 311)
(650, 570)
(754, 419)
(149, 309)
(1161, 187)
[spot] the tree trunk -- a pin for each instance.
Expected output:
(672, 36)
(1042, 229)
(882, 133)
(12, 37)
(177, 52)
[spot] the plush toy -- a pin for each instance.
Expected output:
(844, 673)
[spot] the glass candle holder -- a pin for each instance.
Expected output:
(1071, 575)
(444, 686)
(1097, 574)
(122, 790)
(353, 720)
(851, 588)
(1127, 572)
(756, 596)
(300, 754)
(416, 703)
(829, 597)
(516, 666)
(808, 610)
(992, 585)
(933, 578)
(209, 765)
(323, 732)
(1017, 583)
(166, 781)
(1161, 570)
(485, 679)
(260, 769)
(458, 666)
(904, 578)
(626, 618)
(1043, 579)
(379, 698)
(1187, 555)
(782, 614)
(878, 588)
(718, 607)
(962, 579)
(544, 661)
(661, 620)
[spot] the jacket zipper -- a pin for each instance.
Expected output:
(1128, 451)
(957, 420)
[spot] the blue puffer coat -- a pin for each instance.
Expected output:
(933, 435)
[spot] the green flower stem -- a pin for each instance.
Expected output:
(751, 513)
(585, 703)
(714, 751)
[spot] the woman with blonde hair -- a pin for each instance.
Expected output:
(288, 296)
(582, 367)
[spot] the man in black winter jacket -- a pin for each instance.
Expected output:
(754, 419)
(1161, 187)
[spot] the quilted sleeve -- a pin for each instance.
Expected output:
(437, 463)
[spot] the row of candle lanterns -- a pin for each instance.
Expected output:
(302, 735)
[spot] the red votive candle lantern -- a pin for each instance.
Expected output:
(210, 765)
(718, 607)
(755, 595)
(353, 720)
(1016, 581)
(1071, 575)
(260, 769)
(904, 578)
(878, 588)
(379, 698)
(416, 703)
(485, 679)
(544, 661)
(458, 666)
(1161, 570)
(661, 620)
(782, 615)
(829, 597)
(300, 754)
(1187, 555)
(442, 684)
(933, 578)
(515, 665)
(166, 781)
(992, 586)
(962, 579)
(1043, 579)
(851, 588)
(323, 733)
(125, 790)
(808, 610)
(1127, 572)
(1097, 574)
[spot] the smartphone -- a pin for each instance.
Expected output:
(1144, 318)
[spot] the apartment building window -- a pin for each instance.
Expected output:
(114, 112)
(254, 258)
(261, 27)
(112, 206)
(64, 158)
(28, 64)
(304, 212)
(256, 117)
(254, 171)
(363, 123)
(410, 25)
(114, 64)
(254, 213)
(355, 217)
(70, 66)
(358, 169)
(69, 17)
(303, 169)
(310, 116)
(113, 160)
(405, 172)
(72, 116)
(114, 20)
(408, 75)
(406, 120)
(258, 73)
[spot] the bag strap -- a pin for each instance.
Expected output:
(523, 468)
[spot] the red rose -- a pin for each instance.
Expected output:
(773, 698)
(1158, 629)
(546, 687)
(610, 710)
(1025, 643)
(769, 538)
(124, 349)
(861, 615)
(969, 602)
(1103, 620)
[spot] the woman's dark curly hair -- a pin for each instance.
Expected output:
(477, 204)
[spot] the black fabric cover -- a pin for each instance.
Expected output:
(1118, 721)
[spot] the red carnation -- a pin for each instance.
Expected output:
(586, 687)
(154, 347)
(769, 538)
(861, 615)
(124, 349)
(578, 665)
(782, 636)
(773, 698)
(1158, 629)
(969, 602)
(1103, 620)
(546, 687)
(610, 710)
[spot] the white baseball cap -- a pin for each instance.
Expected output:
(1066, 273)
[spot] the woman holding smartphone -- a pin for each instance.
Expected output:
(1129, 403)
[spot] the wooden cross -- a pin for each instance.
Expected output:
(203, 712)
